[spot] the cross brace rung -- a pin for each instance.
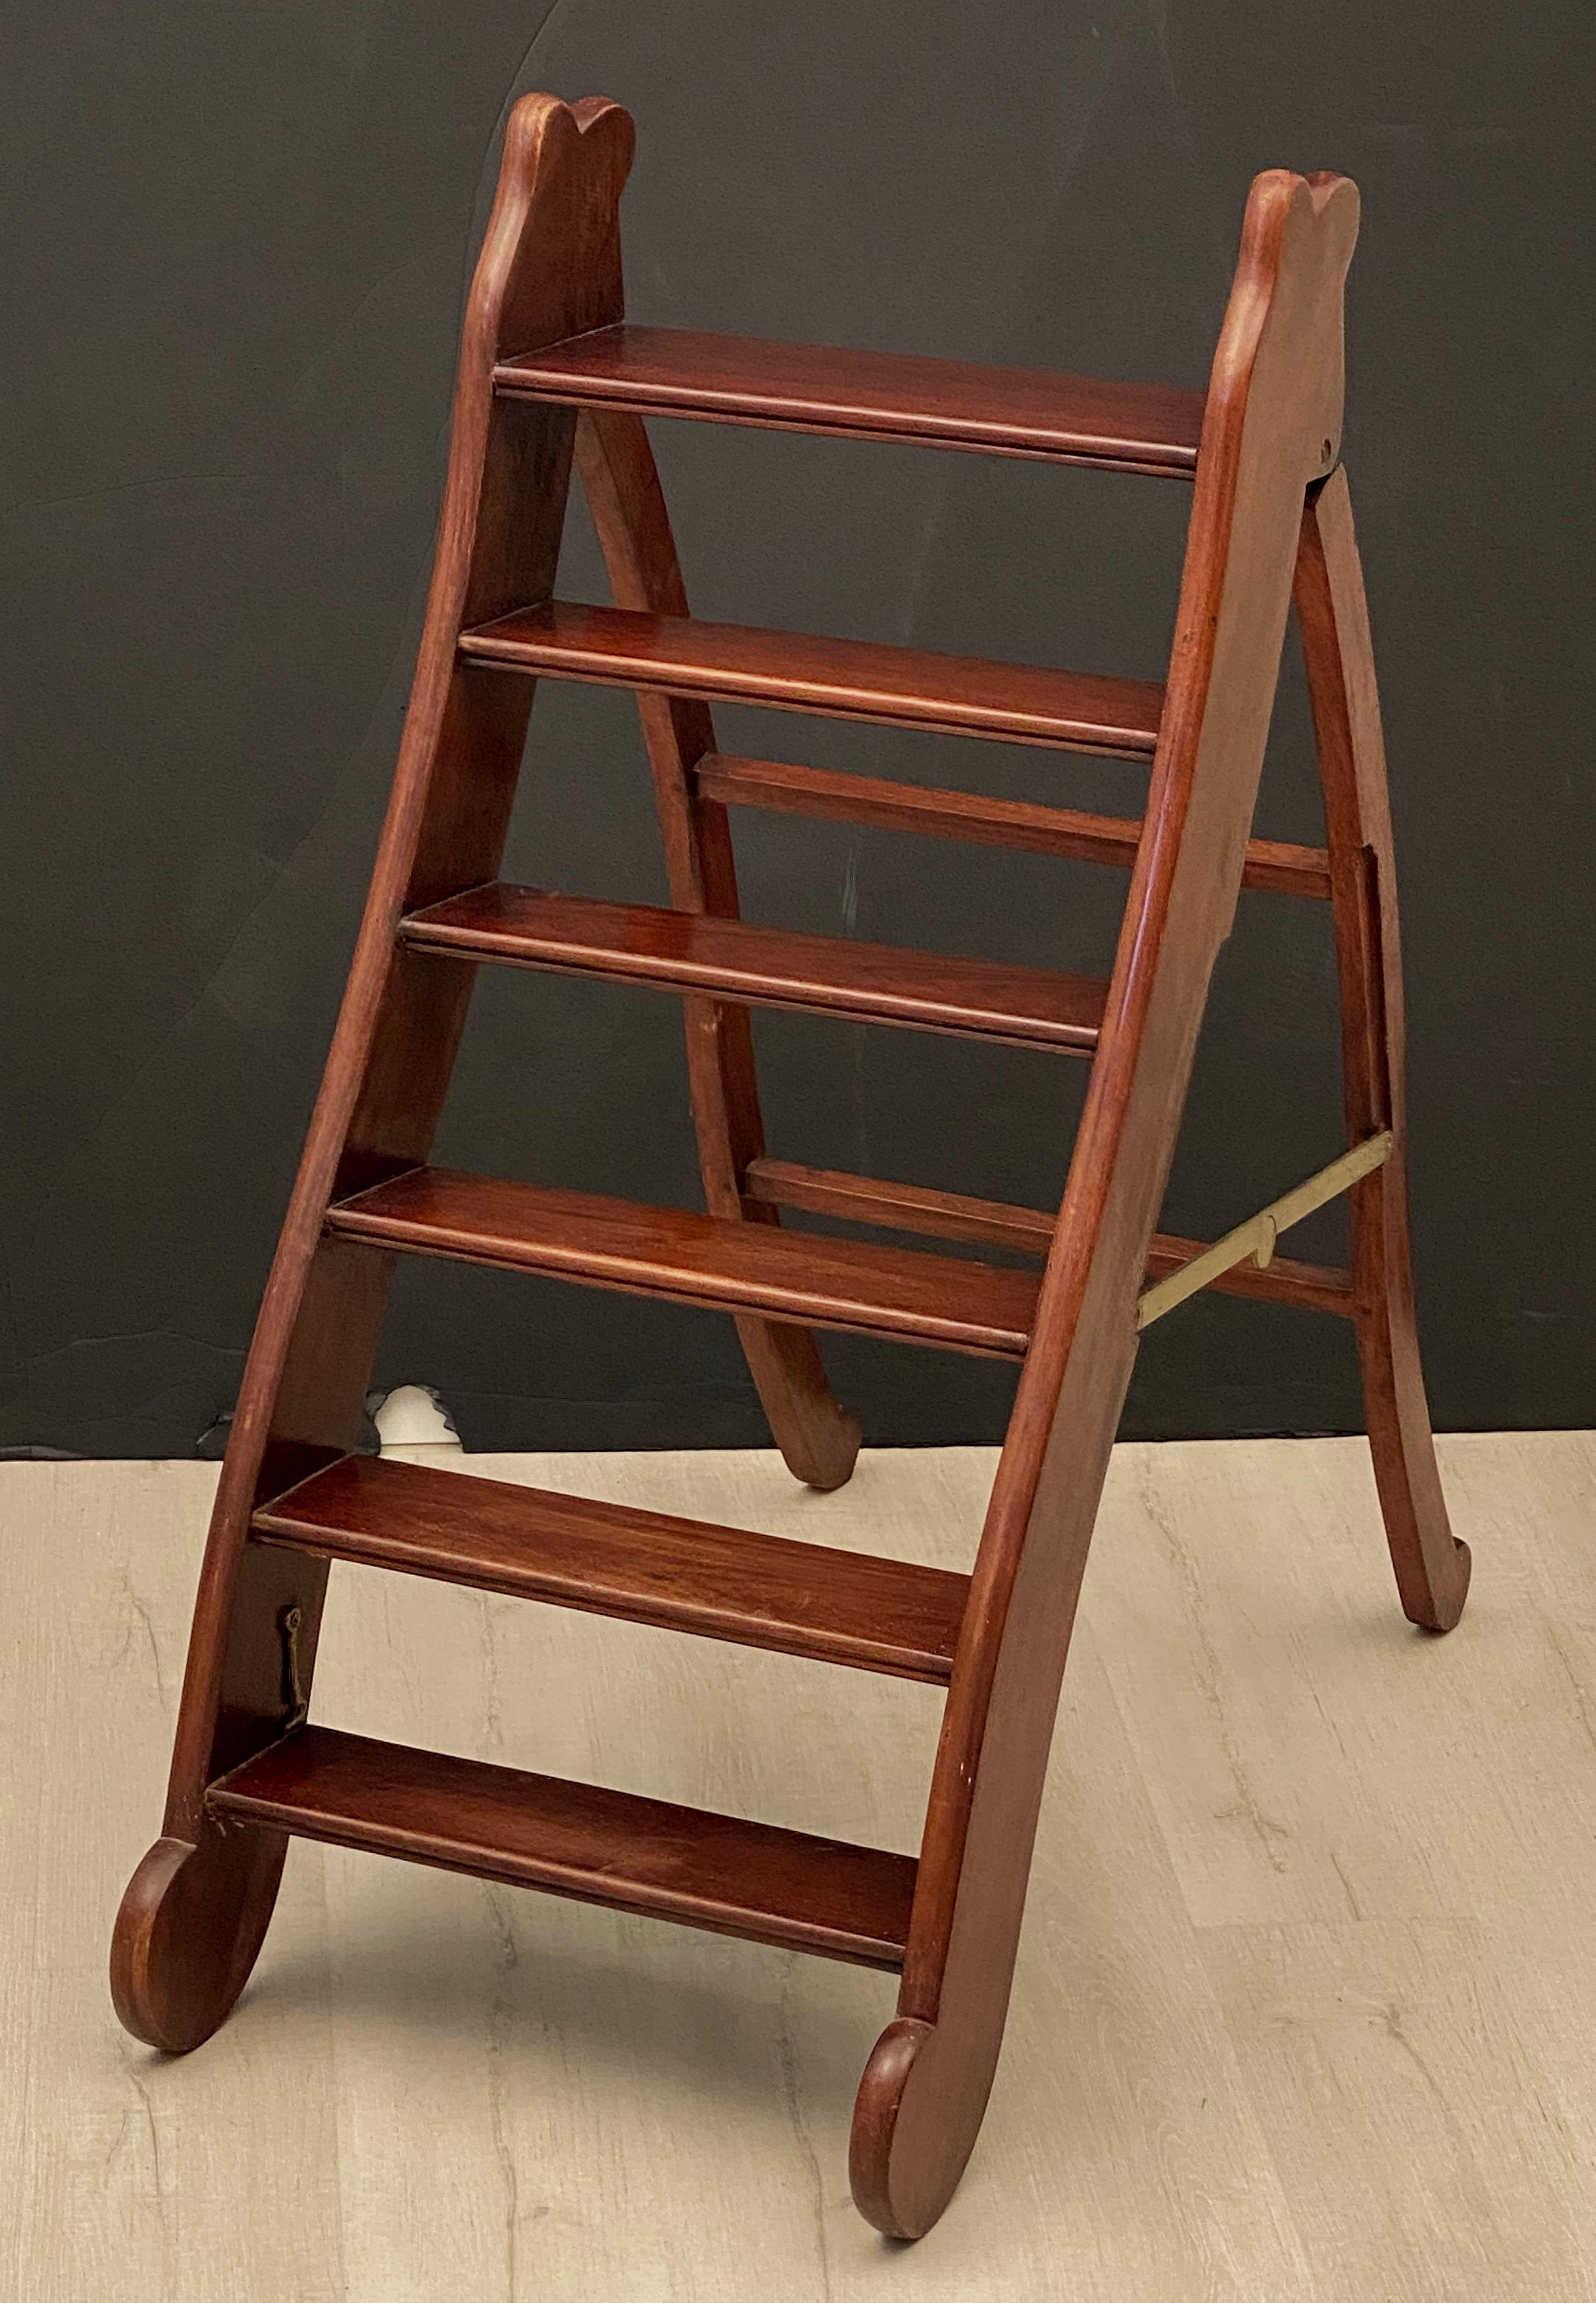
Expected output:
(791, 788)
(1026, 1231)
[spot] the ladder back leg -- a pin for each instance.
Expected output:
(1432, 1566)
(191, 1922)
(1271, 429)
(818, 1440)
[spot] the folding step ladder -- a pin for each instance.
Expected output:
(548, 371)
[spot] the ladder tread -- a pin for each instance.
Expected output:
(579, 1840)
(705, 1260)
(839, 679)
(888, 395)
(689, 1575)
(694, 951)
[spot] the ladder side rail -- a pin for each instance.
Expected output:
(818, 1437)
(1272, 427)
(1432, 1566)
(194, 1914)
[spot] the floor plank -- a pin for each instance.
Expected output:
(1299, 2012)
(1389, 2061)
(122, 2174)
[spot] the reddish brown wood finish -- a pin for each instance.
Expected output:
(1432, 1566)
(543, 337)
(188, 1931)
(1071, 419)
(840, 680)
(1271, 428)
(596, 1847)
(693, 1259)
(550, 268)
(687, 1574)
(1026, 1231)
(1277, 865)
(818, 1438)
(771, 967)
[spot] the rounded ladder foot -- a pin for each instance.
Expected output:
(919, 2111)
(186, 1933)
(1444, 1601)
(823, 1457)
(817, 1436)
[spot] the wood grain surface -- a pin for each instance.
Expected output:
(581, 1840)
(1028, 1231)
(790, 789)
(647, 1568)
(1072, 420)
(839, 679)
(769, 967)
(693, 1259)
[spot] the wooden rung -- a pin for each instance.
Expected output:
(898, 1207)
(771, 967)
(1025, 1231)
(1072, 419)
(792, 790)
(595, 1845)
(843, 679)
(687, 1576)
(687, 1258)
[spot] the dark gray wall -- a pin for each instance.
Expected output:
(238, 240)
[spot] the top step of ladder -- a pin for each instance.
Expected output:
(1003, 411)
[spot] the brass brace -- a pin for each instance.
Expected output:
(1257, 1235)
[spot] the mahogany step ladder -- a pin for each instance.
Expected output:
(550, 371)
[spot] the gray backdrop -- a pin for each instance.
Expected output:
(238, 239)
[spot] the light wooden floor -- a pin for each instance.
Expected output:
(1304, 2001)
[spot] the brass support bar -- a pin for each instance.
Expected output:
(1257, 1235)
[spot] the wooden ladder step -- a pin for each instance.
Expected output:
(579, 1840)
(687, 1576)
(691, 951)
(687, 1258)
(1024, 1231)
(1071, 419)
(843, 679)
(791, 788)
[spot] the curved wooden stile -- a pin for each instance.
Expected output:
(1432, 1566)
(818, 1440)
(193, 1916)
(1271, 429)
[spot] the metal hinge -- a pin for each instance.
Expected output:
(295, 1692)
